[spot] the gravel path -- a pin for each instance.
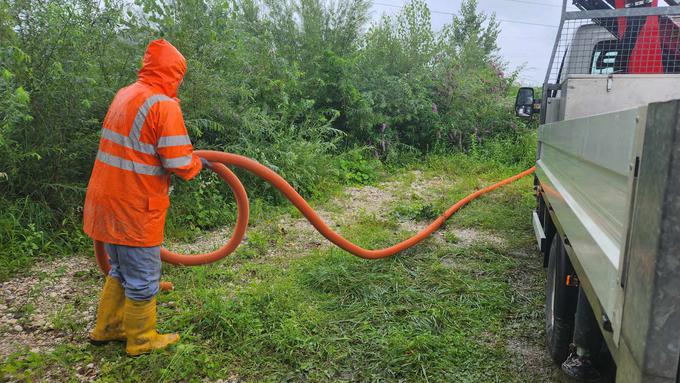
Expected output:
(49, 306)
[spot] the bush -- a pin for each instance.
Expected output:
(302, 86)
(357, 168)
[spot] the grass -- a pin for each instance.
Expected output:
(437, 312)
(28, 234)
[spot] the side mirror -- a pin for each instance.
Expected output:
(524, 102)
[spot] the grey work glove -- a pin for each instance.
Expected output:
(206, 164)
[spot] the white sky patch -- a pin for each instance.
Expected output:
(528, 29)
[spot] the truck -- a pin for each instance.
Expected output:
(607, 186)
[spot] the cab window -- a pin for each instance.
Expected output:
(604, 57)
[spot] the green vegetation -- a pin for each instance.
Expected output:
(335, 105)
(464, 312)
(307, 87)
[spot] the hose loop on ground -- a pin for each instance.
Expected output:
(220, 161)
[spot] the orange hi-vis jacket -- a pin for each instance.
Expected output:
(143, 141)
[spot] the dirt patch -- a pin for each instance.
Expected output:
(370, 200)
(416, 226)
(233, 378)
(429, 188)
(469, 236)
(50, 306)
(532, 357)
(299, 235)
(208, 241)
(380, 199)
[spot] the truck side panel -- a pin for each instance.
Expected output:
(583, 170)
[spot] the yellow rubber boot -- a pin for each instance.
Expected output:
(140, 326)
(109, 326)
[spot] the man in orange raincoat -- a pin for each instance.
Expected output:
(143, 141)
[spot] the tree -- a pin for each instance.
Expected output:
(468, 35)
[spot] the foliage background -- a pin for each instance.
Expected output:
(307, 87)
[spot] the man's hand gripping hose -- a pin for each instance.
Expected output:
(219, 160)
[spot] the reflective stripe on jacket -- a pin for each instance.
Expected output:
(143, 141)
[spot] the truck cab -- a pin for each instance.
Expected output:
(608, 162)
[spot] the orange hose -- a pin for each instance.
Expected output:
(221, 159)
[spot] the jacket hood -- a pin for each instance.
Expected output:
(163, 67)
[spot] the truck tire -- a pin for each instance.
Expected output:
(560, 302)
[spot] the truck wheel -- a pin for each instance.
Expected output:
(560, 302)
